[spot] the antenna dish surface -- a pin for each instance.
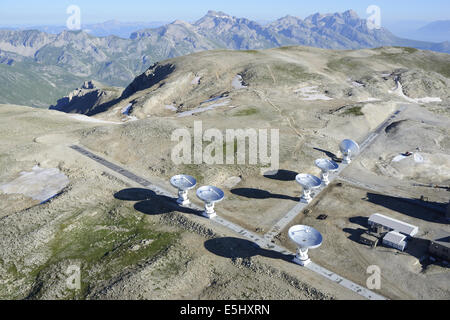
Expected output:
(210, 194)
(308, 181)
(183, 182)
(349, 146)
(305, 237)
(327, 165)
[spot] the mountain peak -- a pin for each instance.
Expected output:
(180, 22)
(288, 19)
(351, 13)
(315, 17)
(112, 21)
(217, 14)
(72, 34)
(213, 18)
(288, 16)
(348, 15)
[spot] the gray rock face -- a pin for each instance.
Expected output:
(25, 43)
(90, 99)
(149, 78)
(104, 29)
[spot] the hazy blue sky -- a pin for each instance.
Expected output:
(17, 12)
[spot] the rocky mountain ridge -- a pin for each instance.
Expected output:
(52, 65)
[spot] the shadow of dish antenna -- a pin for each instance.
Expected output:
(305, 238)
(210, 196)
(350, 149)
(308, 182)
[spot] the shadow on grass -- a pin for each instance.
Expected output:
(416, 208)
(150, 203)
(330, 155)
(252, 193)
(233, 248)
(362, 221)
(282, 175)
(354, 234)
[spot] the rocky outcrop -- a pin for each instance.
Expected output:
(149, 78)
(91, 98)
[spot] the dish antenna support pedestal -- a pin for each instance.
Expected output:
(306, 197)
(326, 166)
(209, 212)
(183, 183)
(347, 158)
(302, 257)
(325, 178)
(183, 198)
(308, 182)
(349, 149)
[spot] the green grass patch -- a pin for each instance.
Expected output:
(105, 245)
(276, 72)
(354, 111)
(252, 51)
(345, 64)
(409, 49)
(246, 112)
(287, 48)
(427, 61)
(195, 171)
(12, 270)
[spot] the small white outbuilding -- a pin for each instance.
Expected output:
(395, 240)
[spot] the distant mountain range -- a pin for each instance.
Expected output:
(37, 68)
(107, 28)
(435, 31)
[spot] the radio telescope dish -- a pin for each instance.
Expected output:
(308, 182)
(349, 149)
(183, 183)
(326, 166)
(305, 238)
(210, 196)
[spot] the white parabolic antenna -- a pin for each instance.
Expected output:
(183, 183)
(326, 166)
(308, 182)
(210, 195)
(349, 149)
(305, 238)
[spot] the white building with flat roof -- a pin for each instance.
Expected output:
(385, 224)
(395, 240)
